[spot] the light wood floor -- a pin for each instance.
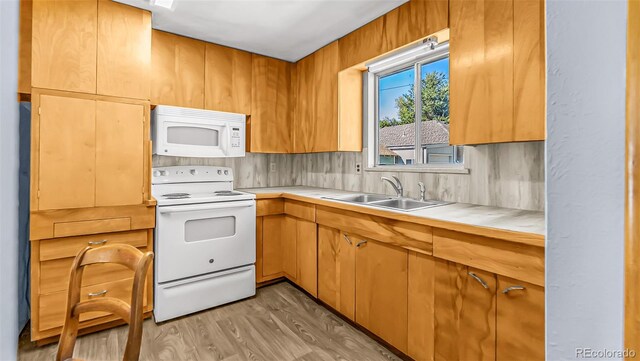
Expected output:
(280, 323)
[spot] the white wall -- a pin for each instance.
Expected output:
(9, 179)
(586, 47)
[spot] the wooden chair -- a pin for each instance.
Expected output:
(122, 254)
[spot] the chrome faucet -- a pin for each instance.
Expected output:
(421, 185)
(396, 184)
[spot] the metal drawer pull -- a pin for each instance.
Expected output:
(477, 278)
(347, 239)
(96, 294)
(360, 243)
(513, 288)
(97, 243)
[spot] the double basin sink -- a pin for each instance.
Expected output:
(382, 201)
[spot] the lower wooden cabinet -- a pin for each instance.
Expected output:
(337, 270)
(520, 320)
(307, 256)
(483, 316)
(381, 291)
(272, 237)
(420, 306)
(465, 313)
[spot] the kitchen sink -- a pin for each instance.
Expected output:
(382, 201)
(361, 198)
(406, 204)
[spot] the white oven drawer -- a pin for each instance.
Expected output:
(196, 239)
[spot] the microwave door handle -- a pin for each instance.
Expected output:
(205, 207)
(224, 144)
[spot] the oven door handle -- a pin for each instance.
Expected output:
(206, 207)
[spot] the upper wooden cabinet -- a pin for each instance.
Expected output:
(64, 45)
(178, 70)
(227, 79)
(91, 46)
(88, 152)
(497, 71)
(124, 50)
(269, 129)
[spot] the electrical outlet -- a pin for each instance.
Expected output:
(272, 167)
(358, 168)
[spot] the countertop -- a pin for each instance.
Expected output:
(519, 225)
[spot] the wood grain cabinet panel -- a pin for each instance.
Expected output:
(415, 20)
(304, 107)
(325, 119)
(64, 165)
(307, 256)
(119, 153)
(178, 68)
(272, 231)
(64, 45)
(381, 292)
(481, 64)
(289, 248)
(227, 79)
(520, 321)
(465, 313)
(269, 128)
(529, 69)
(337, 270)
(124, 50)
(421, 293)
(363, 44)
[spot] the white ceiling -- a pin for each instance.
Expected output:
(284, 29)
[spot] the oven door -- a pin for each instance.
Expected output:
(196, 239)
(193, 139)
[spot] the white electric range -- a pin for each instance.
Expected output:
(205, 247)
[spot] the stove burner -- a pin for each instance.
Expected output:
(176, 195)
(226, 193)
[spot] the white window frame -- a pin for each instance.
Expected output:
(425, 53)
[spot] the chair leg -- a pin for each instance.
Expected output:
(68, 339)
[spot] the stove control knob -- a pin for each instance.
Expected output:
(156, 173)
(226, 172)
(193, 172)
(219, 171)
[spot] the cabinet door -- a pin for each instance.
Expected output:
(421, 306)
(520, 320)
(381, 292)
(119, 153)
(124, 50)
(289, 249)
(272, 232)
(481, 65)
(64, 43)
(227, 81)
(65, 159)
(303, 126)
(307, 256)
(325, 119)
(270, 123)
(177, 65)
(337, 270)
(465, 313)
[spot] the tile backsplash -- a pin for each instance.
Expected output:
(504, 175)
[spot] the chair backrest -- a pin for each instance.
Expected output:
(132, 313)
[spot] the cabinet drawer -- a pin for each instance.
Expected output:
(506, 258)
(66, 229)
(69, 247)
(267, 207)
(300, 210)
(54, 274)
(52, 306)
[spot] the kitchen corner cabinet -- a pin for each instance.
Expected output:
(88, 151)
(269, 127)
(91, 46)
(381, 291)
(497, 67)
(227, 79)
(178, 68)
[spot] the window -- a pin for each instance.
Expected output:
(396, 119)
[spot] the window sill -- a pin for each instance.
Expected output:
(419, 169)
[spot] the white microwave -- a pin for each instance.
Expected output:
(187, 132)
